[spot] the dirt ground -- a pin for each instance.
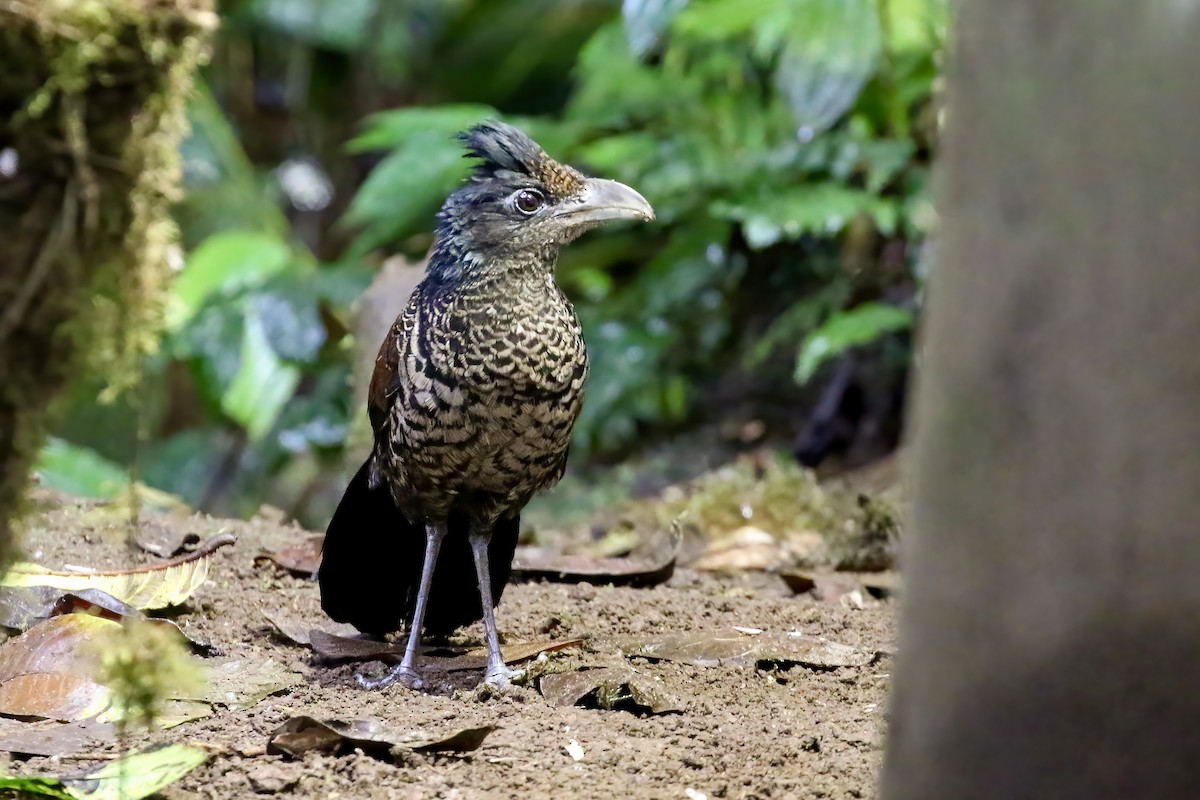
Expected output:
(743, 732)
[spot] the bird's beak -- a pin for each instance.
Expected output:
(602, 200)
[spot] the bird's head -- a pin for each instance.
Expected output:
(521, 202)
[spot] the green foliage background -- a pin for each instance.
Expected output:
(785, 145)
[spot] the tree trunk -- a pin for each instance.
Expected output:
(1050, 637)
(91, 114)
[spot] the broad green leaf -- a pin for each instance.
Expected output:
(403, 192)
(393, 128)
(723, 19)
(79, 471)
(166, 583)
(223, 190)
(917, 24)
(224, 263)
(647, 20)
(263, 384)
(823, 208)
(34, 787)
(858, 326)
(140, 774)
(830, 52)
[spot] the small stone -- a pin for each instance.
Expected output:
(274, 776)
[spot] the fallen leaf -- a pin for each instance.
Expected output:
(532, 564)
(138, 775)
(133, 777)
(331, 645)
(51, 695)
(58, 645)
(609, 688)
(745, 549)
(49, 738)
(239, 683)
(34, 787)
(513, 653)
(302, 558)
(328, 645)
(299, 631)
(166, 584)
(165, 541)
(23, 606)
(722, 648)
(176, 712)
(302, 734)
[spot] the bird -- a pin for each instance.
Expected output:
(473, 399)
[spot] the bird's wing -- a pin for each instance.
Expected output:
(385, 380)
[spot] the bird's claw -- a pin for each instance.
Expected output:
(401, 673)
(501, 677)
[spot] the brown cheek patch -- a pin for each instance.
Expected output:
(559, 179)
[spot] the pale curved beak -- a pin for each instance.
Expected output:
(603, 200)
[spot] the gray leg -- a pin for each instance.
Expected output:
(406, 670)
(497, 674)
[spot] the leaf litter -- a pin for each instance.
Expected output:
(303, 734)
(169, 583)
(747, 648)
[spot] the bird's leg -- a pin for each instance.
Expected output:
(497, 674)
(406, 670)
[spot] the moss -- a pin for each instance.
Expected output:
(92, 96)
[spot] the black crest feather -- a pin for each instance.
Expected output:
(500, 146)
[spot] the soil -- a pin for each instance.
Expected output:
(744, 732)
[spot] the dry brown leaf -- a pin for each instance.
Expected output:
(49, 738)
(533, 564)
(166, 584)
(50, 695)
(300, 735)
(302, 558)
(721, 648)
(609, 688)
(329, 645)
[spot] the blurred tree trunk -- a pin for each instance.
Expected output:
(1050, 638)
(92, 101)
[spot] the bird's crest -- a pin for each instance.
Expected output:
(500, 146)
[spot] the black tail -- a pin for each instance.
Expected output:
(372, 558)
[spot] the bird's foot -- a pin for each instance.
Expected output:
(499, 676)
(401, 673)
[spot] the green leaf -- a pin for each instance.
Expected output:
(830, 53)
(223, 191)
(225, 263)
(722, 19)
(823, 208)
(132, 777)
(858, 326)
(393, 128)
(404, 190)
(140, 774)
(263, 384)
(79, 471)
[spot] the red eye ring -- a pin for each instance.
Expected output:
(528, 201)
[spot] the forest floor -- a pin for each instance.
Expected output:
(767, 726)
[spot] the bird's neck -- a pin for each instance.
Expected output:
(452, 263)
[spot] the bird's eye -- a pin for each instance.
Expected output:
(528, 201)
